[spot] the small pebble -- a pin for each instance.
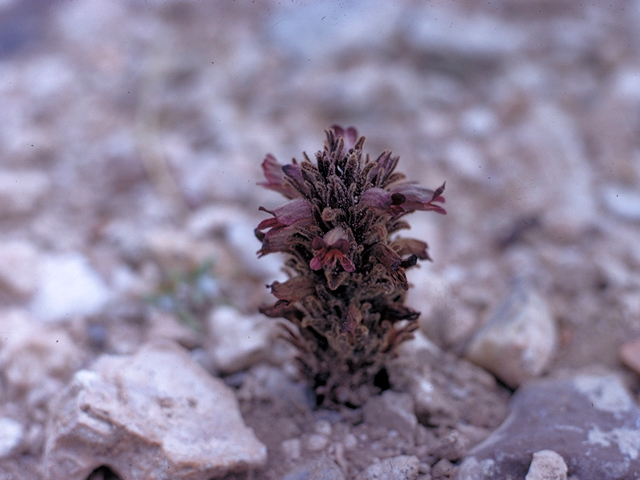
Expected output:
(316, 442)
(547, 465)
(350, 441)
(323, 427)
(291, 448)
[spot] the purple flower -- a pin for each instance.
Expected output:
(333, 248)
(286, 219)
(405, 197)
(347, 268)
(282, 179)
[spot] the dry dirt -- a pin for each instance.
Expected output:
(141, 114)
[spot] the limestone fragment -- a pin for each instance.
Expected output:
(238, 341)
(156, 414)
(67, 286)
(547, 465)
(519, 340)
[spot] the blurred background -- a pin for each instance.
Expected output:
(132, 132)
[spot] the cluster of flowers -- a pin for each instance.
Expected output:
(347, 273)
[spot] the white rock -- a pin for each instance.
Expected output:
(291, 448)
(35, 360)
(518, 341)
(11, 436)
(478, 122)
(156, 414)
(547, 465)
(316, 442)
(68, 286)
(238, 341)
(350, 441)
(623, 202)
(627, 84)
(20, 191)
(18, 267)
(322, 427)
(402, 467)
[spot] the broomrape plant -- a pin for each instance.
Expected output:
(347, 280)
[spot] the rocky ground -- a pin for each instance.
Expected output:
(131, 137)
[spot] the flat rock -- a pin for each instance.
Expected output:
(518, 341)
(591, 421)
(153, 415)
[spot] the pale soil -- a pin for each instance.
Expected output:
(143, 113)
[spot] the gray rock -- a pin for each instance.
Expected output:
(265, 383)
(402, 467)
(447, 391)
(547, 465)
(394, 411)
(156, 414)
(590, 420)
(519, 340)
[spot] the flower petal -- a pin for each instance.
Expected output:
(349, 134)
(294, 289)
(410, 246)
(294, 211)
(275, 172)
(377, 198)
(417, 197)
(347, 264)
